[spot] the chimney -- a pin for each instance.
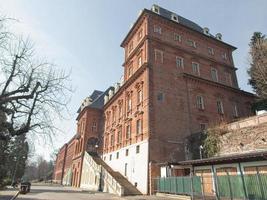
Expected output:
(206, 31)
(218, 36)
(155, 9)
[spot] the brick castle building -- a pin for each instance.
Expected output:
(178, 80)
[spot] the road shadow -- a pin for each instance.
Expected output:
(38, 191)
(5, 197)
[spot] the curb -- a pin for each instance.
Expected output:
(16, 195)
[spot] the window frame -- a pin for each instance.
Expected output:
(94, 126)
(139, 96)
(130, 70)
(139, 60)
(210, 51)
(137, 149)
(220, 108)
(197, 72)
(216, 74)
(181, 63)
(224, 56)
(235, 110)
(175, 36)
(157, 29)
(200, 102)
(128, 131)
(192, 43)
(139, 126)
(130, 47)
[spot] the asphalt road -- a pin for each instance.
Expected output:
(55, 192)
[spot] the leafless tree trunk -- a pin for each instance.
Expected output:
(32, 91)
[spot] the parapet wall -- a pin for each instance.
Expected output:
(247, 135)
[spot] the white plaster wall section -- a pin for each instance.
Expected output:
(137, 163)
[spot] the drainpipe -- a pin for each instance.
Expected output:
(149, 180)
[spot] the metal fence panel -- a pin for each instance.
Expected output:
(228, 187)
(255, 186)
(197, 186)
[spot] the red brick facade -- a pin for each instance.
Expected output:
(60, 164)
(177, 81)
(70, 156)
(188, 82)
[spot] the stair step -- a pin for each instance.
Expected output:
(129, 188)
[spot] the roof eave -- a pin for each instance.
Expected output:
(151, 12)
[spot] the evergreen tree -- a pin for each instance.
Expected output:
(13, 155)
(258, 66)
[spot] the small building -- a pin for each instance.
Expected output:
(235, 176)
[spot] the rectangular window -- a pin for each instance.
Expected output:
(120, 110)
(203, 126)
(179, 62)
(130, 71)
(157, 29)
(137, 149)
(113, 115)
(158, 56)
(126, 152)
(220, 107)
(177, 37)
(140, 34)
(140, 61)
(128, 132)
(117, 155)
(235, 110)
(139, 96)
(160, 96)
(195, 68)
(110, 157)
(210, 51)
(106, 143)
(192, 43)
(200, 103)
(119, 135)
(94, 127)
(224, 56)
(138, 126)
(214, 74)
(228, 79)
(129, 103)
(112, 139)
(130, 47)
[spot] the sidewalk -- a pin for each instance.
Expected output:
(8, 193)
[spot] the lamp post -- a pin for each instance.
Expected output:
(200, 151)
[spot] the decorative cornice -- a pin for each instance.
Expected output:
(216, 84)
(128, 82)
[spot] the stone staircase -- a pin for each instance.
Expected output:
(127, 187)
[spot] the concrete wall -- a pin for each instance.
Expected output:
(90, 174)
(137, 164)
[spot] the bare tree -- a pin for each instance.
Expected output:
(32, 91)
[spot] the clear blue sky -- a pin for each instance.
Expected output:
(85, 35)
